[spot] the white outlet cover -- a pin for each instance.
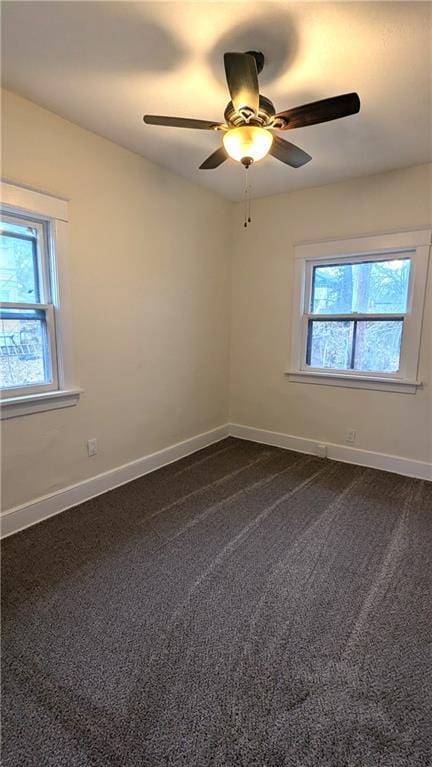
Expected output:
(92, 447)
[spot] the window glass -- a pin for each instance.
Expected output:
(19, 279)
(376, 287)
(330, 344)
(377, 345)
(24, 349)
(364, 345)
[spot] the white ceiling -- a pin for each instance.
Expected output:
(104, 64)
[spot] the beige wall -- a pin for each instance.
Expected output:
(149, 272)
(261, 395)
(150, 277)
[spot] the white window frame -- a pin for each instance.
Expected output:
(49, 215)
(415, 245)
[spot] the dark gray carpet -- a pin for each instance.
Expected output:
(244, 607)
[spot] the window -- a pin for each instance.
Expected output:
(356, 314)
(33, 371)
(358, 311)
(28, 361)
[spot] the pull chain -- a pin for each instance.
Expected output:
(247, 197)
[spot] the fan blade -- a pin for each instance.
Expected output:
(215, 159)
(181, 122)
(289, 153)
(242, 78)
(321, 111)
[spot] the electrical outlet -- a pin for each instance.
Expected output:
(321, 450)
(350, 436)
(92, 447)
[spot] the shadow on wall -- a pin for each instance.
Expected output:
(91, 36)
(272, 32)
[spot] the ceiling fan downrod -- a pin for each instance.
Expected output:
(259, 59)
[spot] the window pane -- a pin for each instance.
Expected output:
(24, 351)
(18, 264)
(373, 286)
(377, 346)
(330, 344)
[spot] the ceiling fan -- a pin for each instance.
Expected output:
(250, 118)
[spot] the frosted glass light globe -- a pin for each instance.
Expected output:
(247, 141)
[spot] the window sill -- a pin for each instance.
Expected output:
(361, 382)
(13, 407)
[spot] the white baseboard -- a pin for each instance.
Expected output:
(27, 514)
(383, 461)
(18, 518)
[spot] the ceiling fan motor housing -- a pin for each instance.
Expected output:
(246, 117)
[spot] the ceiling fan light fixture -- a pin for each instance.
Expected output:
(247, 142)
